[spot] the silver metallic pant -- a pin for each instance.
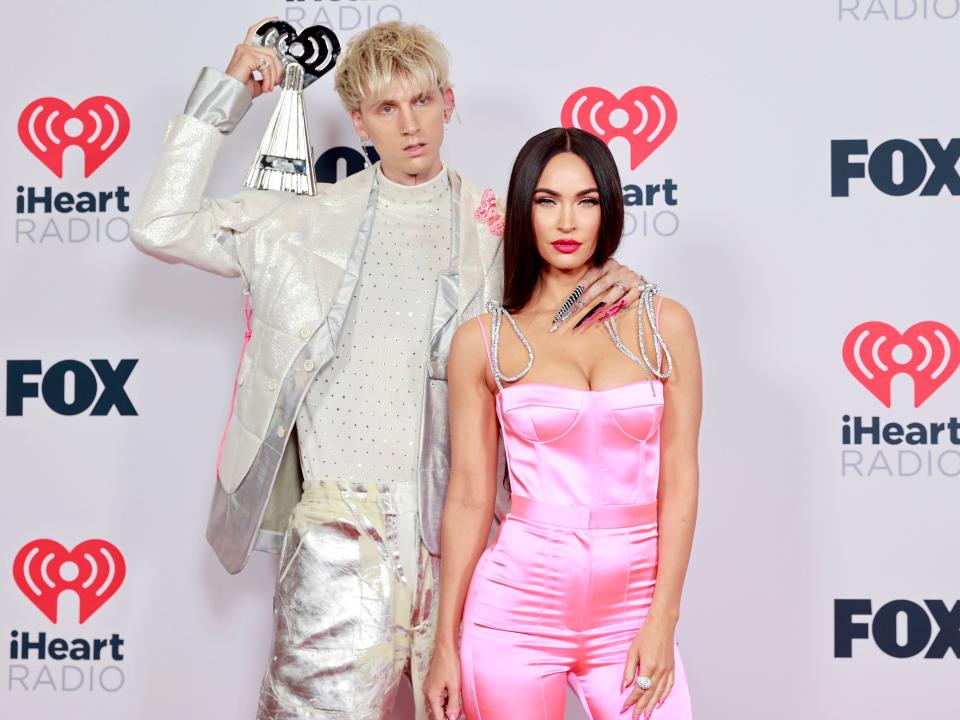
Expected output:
(354, 606)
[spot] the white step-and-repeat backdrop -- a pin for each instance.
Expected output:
(801, 198)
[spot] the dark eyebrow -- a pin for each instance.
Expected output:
(554, 193)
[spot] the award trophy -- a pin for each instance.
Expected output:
(285, 158)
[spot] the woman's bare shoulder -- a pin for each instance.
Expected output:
(674, 317)
(468, 340)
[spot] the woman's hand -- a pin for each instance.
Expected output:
(612, 284)
(248, 58)
(652, 650)
(442, 686)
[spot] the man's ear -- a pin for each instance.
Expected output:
(358, 125)
(449, 103)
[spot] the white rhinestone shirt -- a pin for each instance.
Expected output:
(360, 421)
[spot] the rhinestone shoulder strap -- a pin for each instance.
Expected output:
(497, 313)
(648, 291)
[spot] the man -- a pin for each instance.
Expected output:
(352, 299)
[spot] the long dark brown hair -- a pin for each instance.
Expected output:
(521, 260)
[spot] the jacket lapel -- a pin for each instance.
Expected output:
(479, 253)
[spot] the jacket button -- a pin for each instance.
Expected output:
(304, 333)
(272, 384)
(309, 365)
(281, 431)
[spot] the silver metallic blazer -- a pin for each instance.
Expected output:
(299, 258)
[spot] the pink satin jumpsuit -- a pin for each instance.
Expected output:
(561, 593)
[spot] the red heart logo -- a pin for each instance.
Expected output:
(103, 126)
(934, 356)
(95, 572)
(646, 116)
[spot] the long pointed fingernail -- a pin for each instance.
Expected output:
(586, 317)
(558, 323)
(571, 306)
(614, 309)
(568, 303)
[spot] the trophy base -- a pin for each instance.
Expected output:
(282, 174)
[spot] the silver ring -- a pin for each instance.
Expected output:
(262, 65)
(643, 682)
(619, 284)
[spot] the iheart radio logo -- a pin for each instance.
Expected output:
(645, 116)
(100, 126)
(94, 570)
(934, 354)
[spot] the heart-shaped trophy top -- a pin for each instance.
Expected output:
(315, 49)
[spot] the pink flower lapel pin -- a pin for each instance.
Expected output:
(487, 212)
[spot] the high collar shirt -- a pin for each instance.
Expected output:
(361, 417)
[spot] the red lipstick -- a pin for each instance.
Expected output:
(566, 245)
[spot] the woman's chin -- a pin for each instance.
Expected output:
(566, 263)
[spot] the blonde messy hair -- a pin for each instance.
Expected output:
(387, 51)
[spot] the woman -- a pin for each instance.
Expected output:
(600, 426)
